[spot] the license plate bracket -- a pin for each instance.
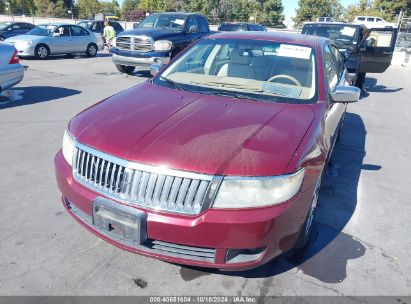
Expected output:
(126, 223)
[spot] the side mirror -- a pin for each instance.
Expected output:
(343, 94)
(155, 68)
(193, 29)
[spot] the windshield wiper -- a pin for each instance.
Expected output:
(176, 85)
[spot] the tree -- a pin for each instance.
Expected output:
(128, 6)
(88, 8)
(389, 9)
(362, 8)
(23, 7)
(309, 10)
(272, 13)
(111, 8)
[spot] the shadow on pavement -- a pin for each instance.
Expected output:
(22, 96)
(370, 85)
(329, 249)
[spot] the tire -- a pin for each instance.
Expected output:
(305, 233)
(92, 50)
(359, 82)
(128, 69)
(42, 51)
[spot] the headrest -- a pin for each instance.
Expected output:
(236, 57)
(260, 61)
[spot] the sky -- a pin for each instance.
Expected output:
(291, 5)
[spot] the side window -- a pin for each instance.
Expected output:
(117, 27)
(340, 62)
(203, 25)
(78, 31)
(63, 31)
(370, 19)
(30, 26)
(192, 24)
(330, 66)
(96, 27)
(17, 26)
(379, 20)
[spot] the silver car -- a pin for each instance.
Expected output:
(11, 71)
(57, 38)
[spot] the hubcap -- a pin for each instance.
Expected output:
(42, 52)
(92, 50)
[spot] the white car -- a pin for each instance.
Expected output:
(11, 71)
(325, 19)
(57, 38)
(373, 22)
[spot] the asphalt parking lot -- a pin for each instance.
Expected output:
(361, 241)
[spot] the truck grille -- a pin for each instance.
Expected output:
(146, 186)
(135, 43)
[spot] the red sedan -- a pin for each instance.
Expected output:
(217, 160)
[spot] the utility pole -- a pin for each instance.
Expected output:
(399, 20)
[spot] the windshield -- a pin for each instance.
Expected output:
(3, 25)
(340, 33)
(171, 22)
(250, 69)
(231, 27)
(42, 30)
(85, 24)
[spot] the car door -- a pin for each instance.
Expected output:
(80, 38)
(336, 75)
(192, 30)
(61, 42)
(15, 30)
(377, 49)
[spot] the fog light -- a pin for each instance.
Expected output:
(244, 255)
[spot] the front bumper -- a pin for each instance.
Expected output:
(226, 239)
(137, 59)
(25, 50)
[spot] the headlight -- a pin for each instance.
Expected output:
(162, 45)
(68, 147)
(259, 191)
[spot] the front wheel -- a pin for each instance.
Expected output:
(91, 50)
(306, 231)
(128, 69)
(42, 52)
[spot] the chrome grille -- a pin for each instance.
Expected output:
(135, 43)
(147, 186)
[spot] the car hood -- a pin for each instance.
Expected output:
(22, 38)
(218, 135)
(155, 33)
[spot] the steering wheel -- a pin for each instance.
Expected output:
(284, 76)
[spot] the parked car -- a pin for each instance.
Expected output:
(57, 38)
(365, 51)
(10, 29)
(97, 26)
(11, 71)
(325, 19)
(217, 161)
(373, 22)
(156, 39)
(240, 26)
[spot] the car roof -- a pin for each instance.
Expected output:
(333, 23)
(292, 38)
(175, 13)
(57, 23)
